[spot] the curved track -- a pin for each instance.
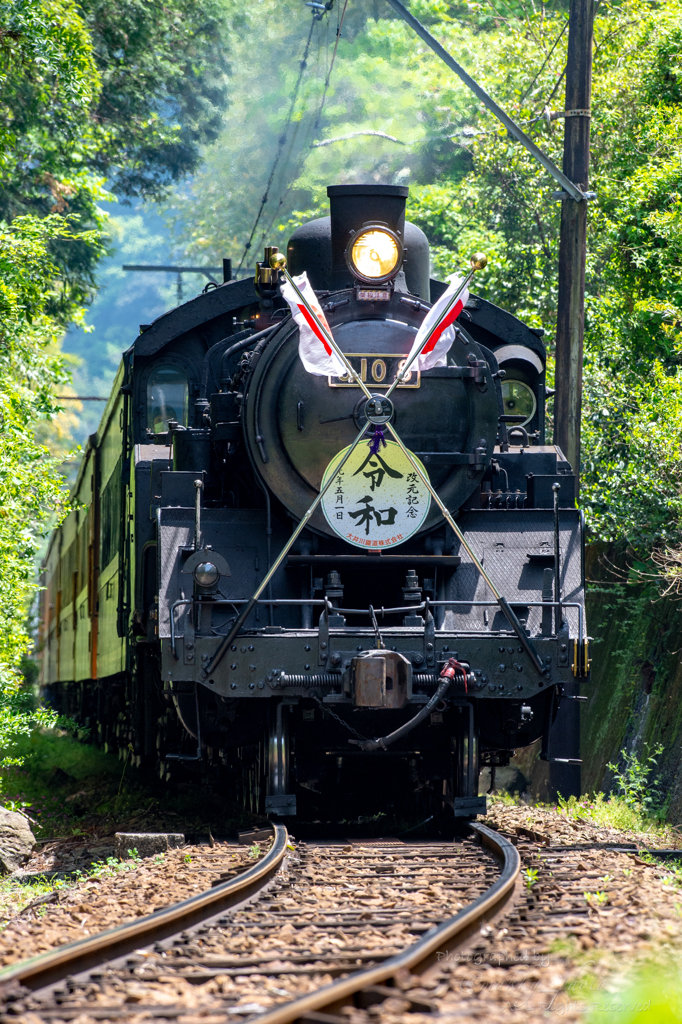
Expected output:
(345, 912)
(420, 955)
(58, 963)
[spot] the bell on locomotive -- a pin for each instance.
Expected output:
(354, 574)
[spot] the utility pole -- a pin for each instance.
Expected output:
(573, 238)
(565, 732)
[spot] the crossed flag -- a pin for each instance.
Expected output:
(318, 352)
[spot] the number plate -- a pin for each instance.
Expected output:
(376, 371)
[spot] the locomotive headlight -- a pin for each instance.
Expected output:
(374, 254)
(206, 574)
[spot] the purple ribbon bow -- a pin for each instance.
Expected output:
(377, 441)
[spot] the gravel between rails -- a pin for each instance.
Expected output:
(333, 910)
(112, 898)
(557, 949)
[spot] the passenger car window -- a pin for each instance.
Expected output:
(167, 393)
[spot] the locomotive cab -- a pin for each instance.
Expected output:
(216, 443)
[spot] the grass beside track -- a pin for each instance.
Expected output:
(73, 789)
(17, 895)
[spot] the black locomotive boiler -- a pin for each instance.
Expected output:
(213, 446)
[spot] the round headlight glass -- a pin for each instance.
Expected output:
(375, 254)
(206, 574)
(518, 400)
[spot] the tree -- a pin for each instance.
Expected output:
(122, 91)
(163, 72)
(117, 88)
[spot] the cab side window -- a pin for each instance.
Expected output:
(167, 398)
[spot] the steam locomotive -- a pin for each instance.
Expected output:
(212, 448)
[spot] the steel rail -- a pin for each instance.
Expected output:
(54, 965)
(420, 955)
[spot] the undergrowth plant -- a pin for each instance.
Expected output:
(632, 780)
(16, 895)
(637, 806)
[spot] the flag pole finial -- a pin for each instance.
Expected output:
(278, 261)
(479, 261)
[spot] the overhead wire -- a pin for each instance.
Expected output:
(563, 73)
(331, 66)
(281, 142)
(544, 64)
(312, 128)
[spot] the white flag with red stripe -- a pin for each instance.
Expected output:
(316, 353)
(438, 323)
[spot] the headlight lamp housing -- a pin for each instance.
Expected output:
(518, 400)
(374, 253)
(206, 574)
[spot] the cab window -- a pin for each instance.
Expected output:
(167, 398)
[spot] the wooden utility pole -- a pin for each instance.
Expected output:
(573, 239)
(565, 733)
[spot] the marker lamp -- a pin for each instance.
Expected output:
(518, 400)
(206, 574)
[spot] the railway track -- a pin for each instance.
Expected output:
(299, 936)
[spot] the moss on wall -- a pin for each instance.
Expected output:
(635, 694)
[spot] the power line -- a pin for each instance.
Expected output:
(282, 140)
(314, 126)
(556, 43)
(225, 270)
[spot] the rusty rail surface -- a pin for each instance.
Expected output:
(54, 965)
(421, 954)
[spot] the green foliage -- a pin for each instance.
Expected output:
(632, 427)
(530, 877)
(15, 896)
(49, 81)
(615, 812)
(127, 89)
(596, 898)
(45, 766)
(32, 498)
(647, 992)
(632, 431)
(163, 69)
(110, 867)
(632, 780)
(371, 89)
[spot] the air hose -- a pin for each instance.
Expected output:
(451, 670)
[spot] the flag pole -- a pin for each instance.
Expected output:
(246, 610)
(278, 261)
(506, 609)
(478, 262)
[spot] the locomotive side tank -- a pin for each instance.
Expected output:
(212, 448)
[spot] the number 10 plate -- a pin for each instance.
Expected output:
(376, 371)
